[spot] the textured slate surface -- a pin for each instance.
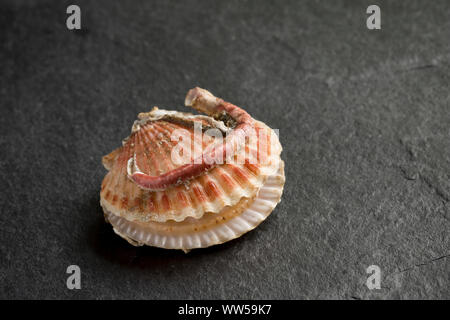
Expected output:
(363, 115)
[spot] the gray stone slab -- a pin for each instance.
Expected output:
(364, 120)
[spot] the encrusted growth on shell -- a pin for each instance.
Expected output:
(178, 214)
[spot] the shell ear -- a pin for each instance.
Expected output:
(109, 160)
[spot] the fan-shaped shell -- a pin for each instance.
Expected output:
(150, 145)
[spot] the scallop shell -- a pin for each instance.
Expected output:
(215, 205)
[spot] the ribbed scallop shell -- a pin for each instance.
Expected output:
(151, 145)
(209, 230)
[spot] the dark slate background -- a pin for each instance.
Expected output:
(364, 121)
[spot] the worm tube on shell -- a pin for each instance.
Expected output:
(202, 100)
